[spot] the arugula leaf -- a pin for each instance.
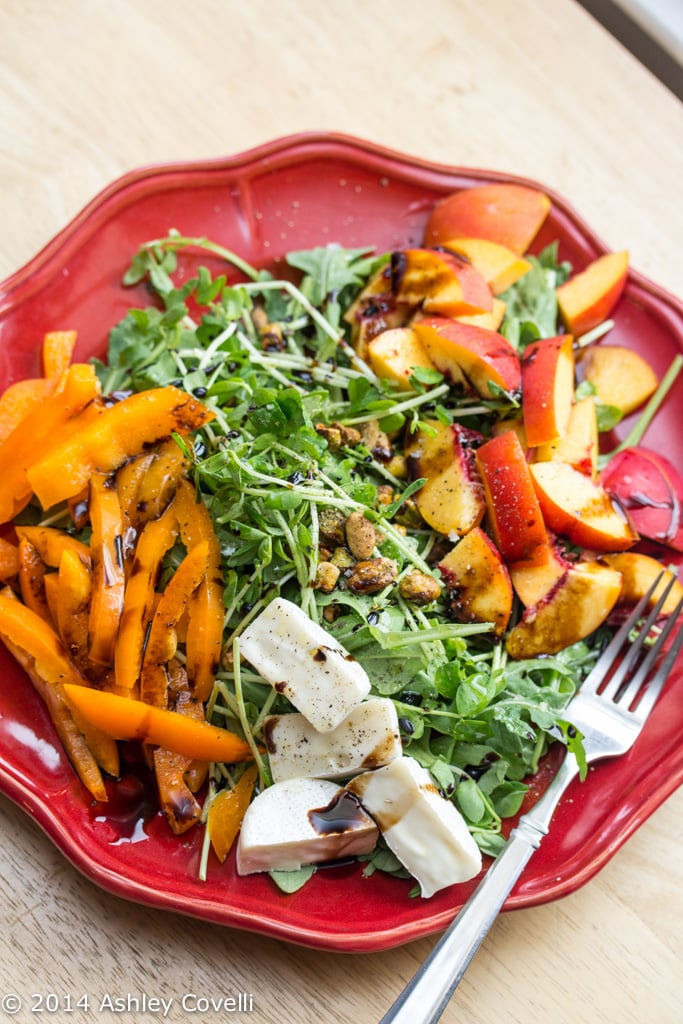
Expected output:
(531, 304)
(476, 721)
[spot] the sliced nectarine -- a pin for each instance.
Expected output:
(439, 282)
(491, 321)
(580, 444)
(515, 423)
(514, 512)
(588, 298)
(506, 213)
(620, 376)
(452, 500)
(499, 266)
(651, 488)
(533, 582)
(394, 354)
(578, 508)
(478, 587)
(547, 388)
(639, 573)
(374, 310)
(483, 356)
(574, 608)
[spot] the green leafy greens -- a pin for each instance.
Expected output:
(273, 362)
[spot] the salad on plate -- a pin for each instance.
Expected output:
(331, 547)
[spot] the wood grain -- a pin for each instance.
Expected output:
(91, 90)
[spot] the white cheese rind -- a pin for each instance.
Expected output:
(425, 831)
(367, 738)
(305, 663)
(279, 830)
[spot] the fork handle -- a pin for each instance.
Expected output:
(426, 996)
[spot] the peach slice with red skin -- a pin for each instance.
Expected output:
(499, 266)
(491, 321)
(477, 582)
(373, 311)
(651, 489)
(452, 499)
(579, 447)
(639, 573)
(578, 508)
(483, 356)
(440, 282)
(395, 354)
(547, 388)
(532, 582)
(589, 297)
(514, 512)
(578, 603)
(620, 376)
(506, 213)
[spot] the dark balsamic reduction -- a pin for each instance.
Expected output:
(342, 814)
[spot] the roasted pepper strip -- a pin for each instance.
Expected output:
(226, 811)
(127, 719)
(52, 543)
(178, 803)
(205, 627)
(73, 608)
(124, 429)
(128, 479)
(51, 422)
(9, 560)
(156, 538)
(51, 587)
(40, 651)
(108, 580)
(158, 484)
(19, 400)
(162, 640)
(32, 579)
(58, 348)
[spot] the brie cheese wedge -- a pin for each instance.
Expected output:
(302, 821)
(305, 663)
(367, 738)
(425, 831)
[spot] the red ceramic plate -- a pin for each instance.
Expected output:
(293, 193)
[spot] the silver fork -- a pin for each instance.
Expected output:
(610, 718)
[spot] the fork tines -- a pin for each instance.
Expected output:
(630, 673)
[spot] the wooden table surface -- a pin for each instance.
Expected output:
(90, 90)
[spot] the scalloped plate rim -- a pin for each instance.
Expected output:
(39, 269)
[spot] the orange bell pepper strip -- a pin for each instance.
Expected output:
(227, 810)
(205, 625)
(178, 803)
(52, 543)
(108, 579)
(158, 485)
(127, 719)
(128, 479)
(9, 560)
(24, 396)
(156, 538)
(162, 640)
(79, 510)
(32, 579)
(40, 651)
(51, 585)
(73, 608)
(19, 400)
(58, 348)
(125, 428)
(51, 421)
